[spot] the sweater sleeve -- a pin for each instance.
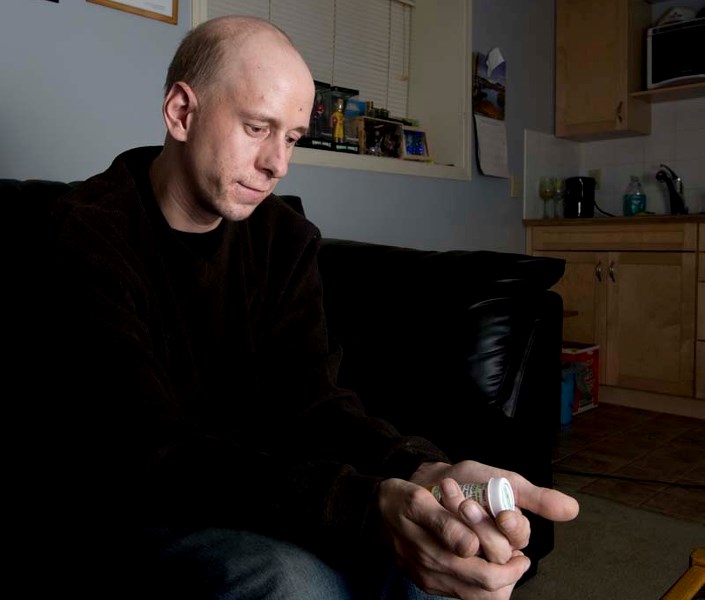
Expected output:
(313, 421)
(299, 371)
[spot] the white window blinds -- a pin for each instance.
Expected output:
(359, 44)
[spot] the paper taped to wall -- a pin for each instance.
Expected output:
(489, 99)
(491, 136)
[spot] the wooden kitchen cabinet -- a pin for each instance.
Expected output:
(700, 344)
(633, 287)
(599, 63)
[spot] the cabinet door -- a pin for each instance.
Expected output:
(598, 63)
(700, 344)
(700, 370)
(651, 321)
(582, 288)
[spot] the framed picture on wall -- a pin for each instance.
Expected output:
(162, 10)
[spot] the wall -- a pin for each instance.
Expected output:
(677, 139)
(82, 82)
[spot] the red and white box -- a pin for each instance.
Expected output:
(584, 361)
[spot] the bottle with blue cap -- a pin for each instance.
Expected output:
(634, 198)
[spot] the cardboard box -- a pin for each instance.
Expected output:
(584, 360)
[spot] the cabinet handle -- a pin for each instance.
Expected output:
(598, 270)
(612, 275)
(620, 118)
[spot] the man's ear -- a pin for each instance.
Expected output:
(179, 104)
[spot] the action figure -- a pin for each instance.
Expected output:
(337, 121)
(316, 125)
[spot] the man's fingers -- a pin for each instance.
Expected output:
(491, 576)
(455, 535)
(495, 545)
(546, 502)
(515, 526)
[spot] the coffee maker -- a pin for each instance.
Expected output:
(579, 201)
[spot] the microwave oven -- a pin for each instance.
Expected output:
(675, 53)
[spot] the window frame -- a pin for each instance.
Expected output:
(446, 66)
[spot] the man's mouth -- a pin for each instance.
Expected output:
(253, 191)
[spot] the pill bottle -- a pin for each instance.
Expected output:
(494, 496)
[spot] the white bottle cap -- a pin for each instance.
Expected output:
(500, 495)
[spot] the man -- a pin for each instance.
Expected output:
(202, 427)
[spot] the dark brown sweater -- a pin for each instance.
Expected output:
(199, 379)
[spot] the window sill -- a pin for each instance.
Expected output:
(376, 164)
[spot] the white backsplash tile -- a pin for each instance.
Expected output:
(627, 151)
(597, 154)
(690, 143)
(545, 154)
(677, 140)
(660, 146)
(695, 199)
(692, 172)
(663, 117)
(690, 114)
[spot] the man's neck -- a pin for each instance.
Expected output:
(173, 197)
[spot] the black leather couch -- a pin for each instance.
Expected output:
(460, 347)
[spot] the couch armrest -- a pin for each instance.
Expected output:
(434, 341)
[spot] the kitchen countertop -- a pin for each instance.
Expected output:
(696, 218)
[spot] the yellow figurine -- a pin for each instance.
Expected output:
(337, 121)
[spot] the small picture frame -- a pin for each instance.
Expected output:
(162, 10)
(415, 146)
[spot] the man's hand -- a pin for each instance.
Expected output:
(545, 502)
(438, 546)
(455, 547)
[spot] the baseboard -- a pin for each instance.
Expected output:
(675, 405)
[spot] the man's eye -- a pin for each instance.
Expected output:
(291, 140)
(256, 129)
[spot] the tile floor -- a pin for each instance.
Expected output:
(650, 460)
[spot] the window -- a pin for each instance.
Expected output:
(411, 57)
(358, 44)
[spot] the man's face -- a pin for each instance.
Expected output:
(242, 136)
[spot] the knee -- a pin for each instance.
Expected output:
(298, 569)
(223, 564)
(285, 571)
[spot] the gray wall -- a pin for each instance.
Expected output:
(82, 82)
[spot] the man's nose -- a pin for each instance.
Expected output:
(274, 156)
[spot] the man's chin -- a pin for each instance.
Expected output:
(240, 212)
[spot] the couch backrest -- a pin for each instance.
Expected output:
(25, 205)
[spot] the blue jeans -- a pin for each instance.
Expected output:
(224, 564)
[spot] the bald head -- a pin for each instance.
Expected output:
(202, 54)
(238, 98)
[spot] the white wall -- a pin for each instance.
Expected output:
(82, 82)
